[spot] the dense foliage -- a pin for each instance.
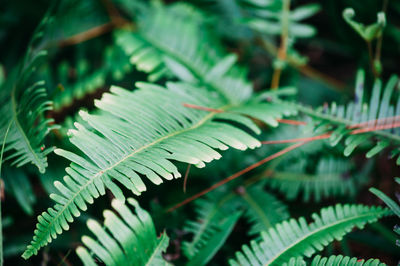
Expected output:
(219, 132)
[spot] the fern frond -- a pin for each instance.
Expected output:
(391, 204)
(340, 260)
(216, 212)
(296, 238)
(212, 240)
(266, 18)
(26, 135)
(388, 201)
(376, 111)
(136, 135)
(334, 260)
(24, 102)
(210, 221)
(126, 238)
(260, 215)
(175, 45)
(330, 179)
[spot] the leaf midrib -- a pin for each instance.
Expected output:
(293, 177)
(158, 246)
(320, 229)
(203, 227)
(247, 197)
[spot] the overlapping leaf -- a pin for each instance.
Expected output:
(126, 238)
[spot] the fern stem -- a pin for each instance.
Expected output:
(186, 177)
(371, 59)
(264, 218)
(197, 107)
(340, 121)
(305, 69)
(284, 43)
(380, 39)
(324, 136)
(283, 121)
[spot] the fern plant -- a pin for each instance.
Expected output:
(150, 149)
(391, 204)
(378, 117)
(330, 178)
(218, 213)
(143, 90)
(134, 233)
(297, 238)
(24, 102)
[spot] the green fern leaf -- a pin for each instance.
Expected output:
(24, 102)
(376, 111)
(129, 240)
(24, 143)
(340, 260)
(216, 238)
(297, 238)
(334, 260)
(211, 217)
(136, 135)
(261, 216)
(329, 180)
(270, 20)
(215, 218)
(176, 45)
(391, 204)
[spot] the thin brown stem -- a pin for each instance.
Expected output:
(113, 13)
(236, 175)
(305, 69)
(186, 177)
(379, 42)
(87, 35)
(203, 108)
(282, 52)
(116, 21)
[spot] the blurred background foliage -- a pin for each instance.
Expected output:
(323, 55)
